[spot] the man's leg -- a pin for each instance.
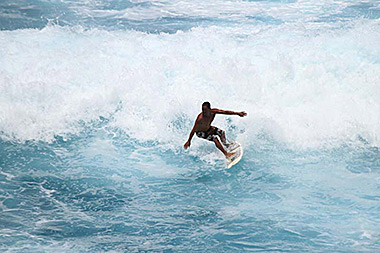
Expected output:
(222, 136)
(220, 147)
(223, 139)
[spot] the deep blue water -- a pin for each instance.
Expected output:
(97, 99)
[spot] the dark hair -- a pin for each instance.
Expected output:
(207, 104)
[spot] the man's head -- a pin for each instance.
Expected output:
(206, 107)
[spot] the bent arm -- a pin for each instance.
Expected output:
(187, 144)
(191, 134)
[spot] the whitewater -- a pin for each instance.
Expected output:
(97, 99)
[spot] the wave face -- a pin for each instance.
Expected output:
(97, 99)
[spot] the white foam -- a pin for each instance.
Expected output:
(300, 86)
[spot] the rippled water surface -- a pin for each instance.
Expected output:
(97, 99)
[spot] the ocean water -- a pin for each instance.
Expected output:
(98, 97)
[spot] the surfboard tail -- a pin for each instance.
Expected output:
(235, 158)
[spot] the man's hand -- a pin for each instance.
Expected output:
(187, 145)
(242, 114)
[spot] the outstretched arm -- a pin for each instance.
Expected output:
(219, 111)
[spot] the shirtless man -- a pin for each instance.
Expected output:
(203, 128)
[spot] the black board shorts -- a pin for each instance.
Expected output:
(210, 134)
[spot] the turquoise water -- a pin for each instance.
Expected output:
(97, 99)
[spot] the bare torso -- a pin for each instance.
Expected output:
(203, 122)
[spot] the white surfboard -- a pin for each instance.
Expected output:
(236, 148)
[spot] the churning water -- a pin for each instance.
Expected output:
(98, 97)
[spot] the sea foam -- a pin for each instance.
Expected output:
(304, 87)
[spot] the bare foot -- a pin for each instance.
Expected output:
(228, 155)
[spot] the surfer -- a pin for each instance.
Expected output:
(203, 129)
